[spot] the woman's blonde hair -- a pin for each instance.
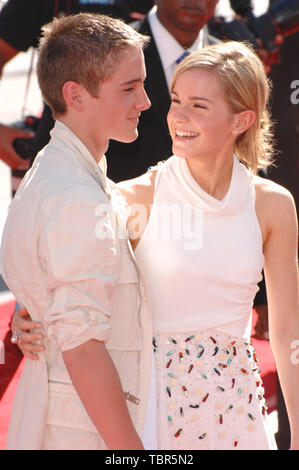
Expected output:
(245, 87)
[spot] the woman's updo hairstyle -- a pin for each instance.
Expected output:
(245, 87)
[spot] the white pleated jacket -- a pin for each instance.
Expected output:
(66, 258)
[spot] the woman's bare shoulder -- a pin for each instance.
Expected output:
(139, 194)
(139, 190)
(274, 203)
(270, 192)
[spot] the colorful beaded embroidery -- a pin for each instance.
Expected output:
(201, 368)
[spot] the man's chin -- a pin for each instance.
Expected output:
(193, 22)
(129, 139)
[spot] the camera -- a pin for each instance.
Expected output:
(24, 147)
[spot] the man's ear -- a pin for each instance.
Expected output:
(242, 121)
(73, 94)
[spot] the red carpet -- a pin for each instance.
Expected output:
(267, 366)
(11, 370)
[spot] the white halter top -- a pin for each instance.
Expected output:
(201, 258)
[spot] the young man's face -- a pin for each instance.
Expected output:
(121, 99)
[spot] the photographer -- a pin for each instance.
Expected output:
(20, 29)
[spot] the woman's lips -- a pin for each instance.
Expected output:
(185, 134)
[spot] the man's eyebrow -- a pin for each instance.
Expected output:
(134, 80)
(194, 98)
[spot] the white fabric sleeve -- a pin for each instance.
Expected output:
(81, 272)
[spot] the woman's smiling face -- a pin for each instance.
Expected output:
(200, 120)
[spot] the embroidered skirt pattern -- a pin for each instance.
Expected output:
(210, 393)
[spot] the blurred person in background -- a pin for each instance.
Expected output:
(20, 28)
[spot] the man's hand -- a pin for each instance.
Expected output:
(7, 152)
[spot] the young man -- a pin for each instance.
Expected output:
(65, 255)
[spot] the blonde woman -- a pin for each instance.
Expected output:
(202, 279)
(209, 228)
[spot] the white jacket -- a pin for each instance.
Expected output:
(66, 258)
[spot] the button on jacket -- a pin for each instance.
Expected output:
(66, 258)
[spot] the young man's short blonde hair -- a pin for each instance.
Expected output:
(84, 48)
(245, 87)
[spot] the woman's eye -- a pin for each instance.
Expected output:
(201, 106)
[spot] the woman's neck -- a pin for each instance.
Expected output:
(213, 176)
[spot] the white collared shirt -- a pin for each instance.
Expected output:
(168, 47)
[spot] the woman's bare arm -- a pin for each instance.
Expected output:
(278, 220)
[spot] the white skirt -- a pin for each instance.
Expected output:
(209, 393)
